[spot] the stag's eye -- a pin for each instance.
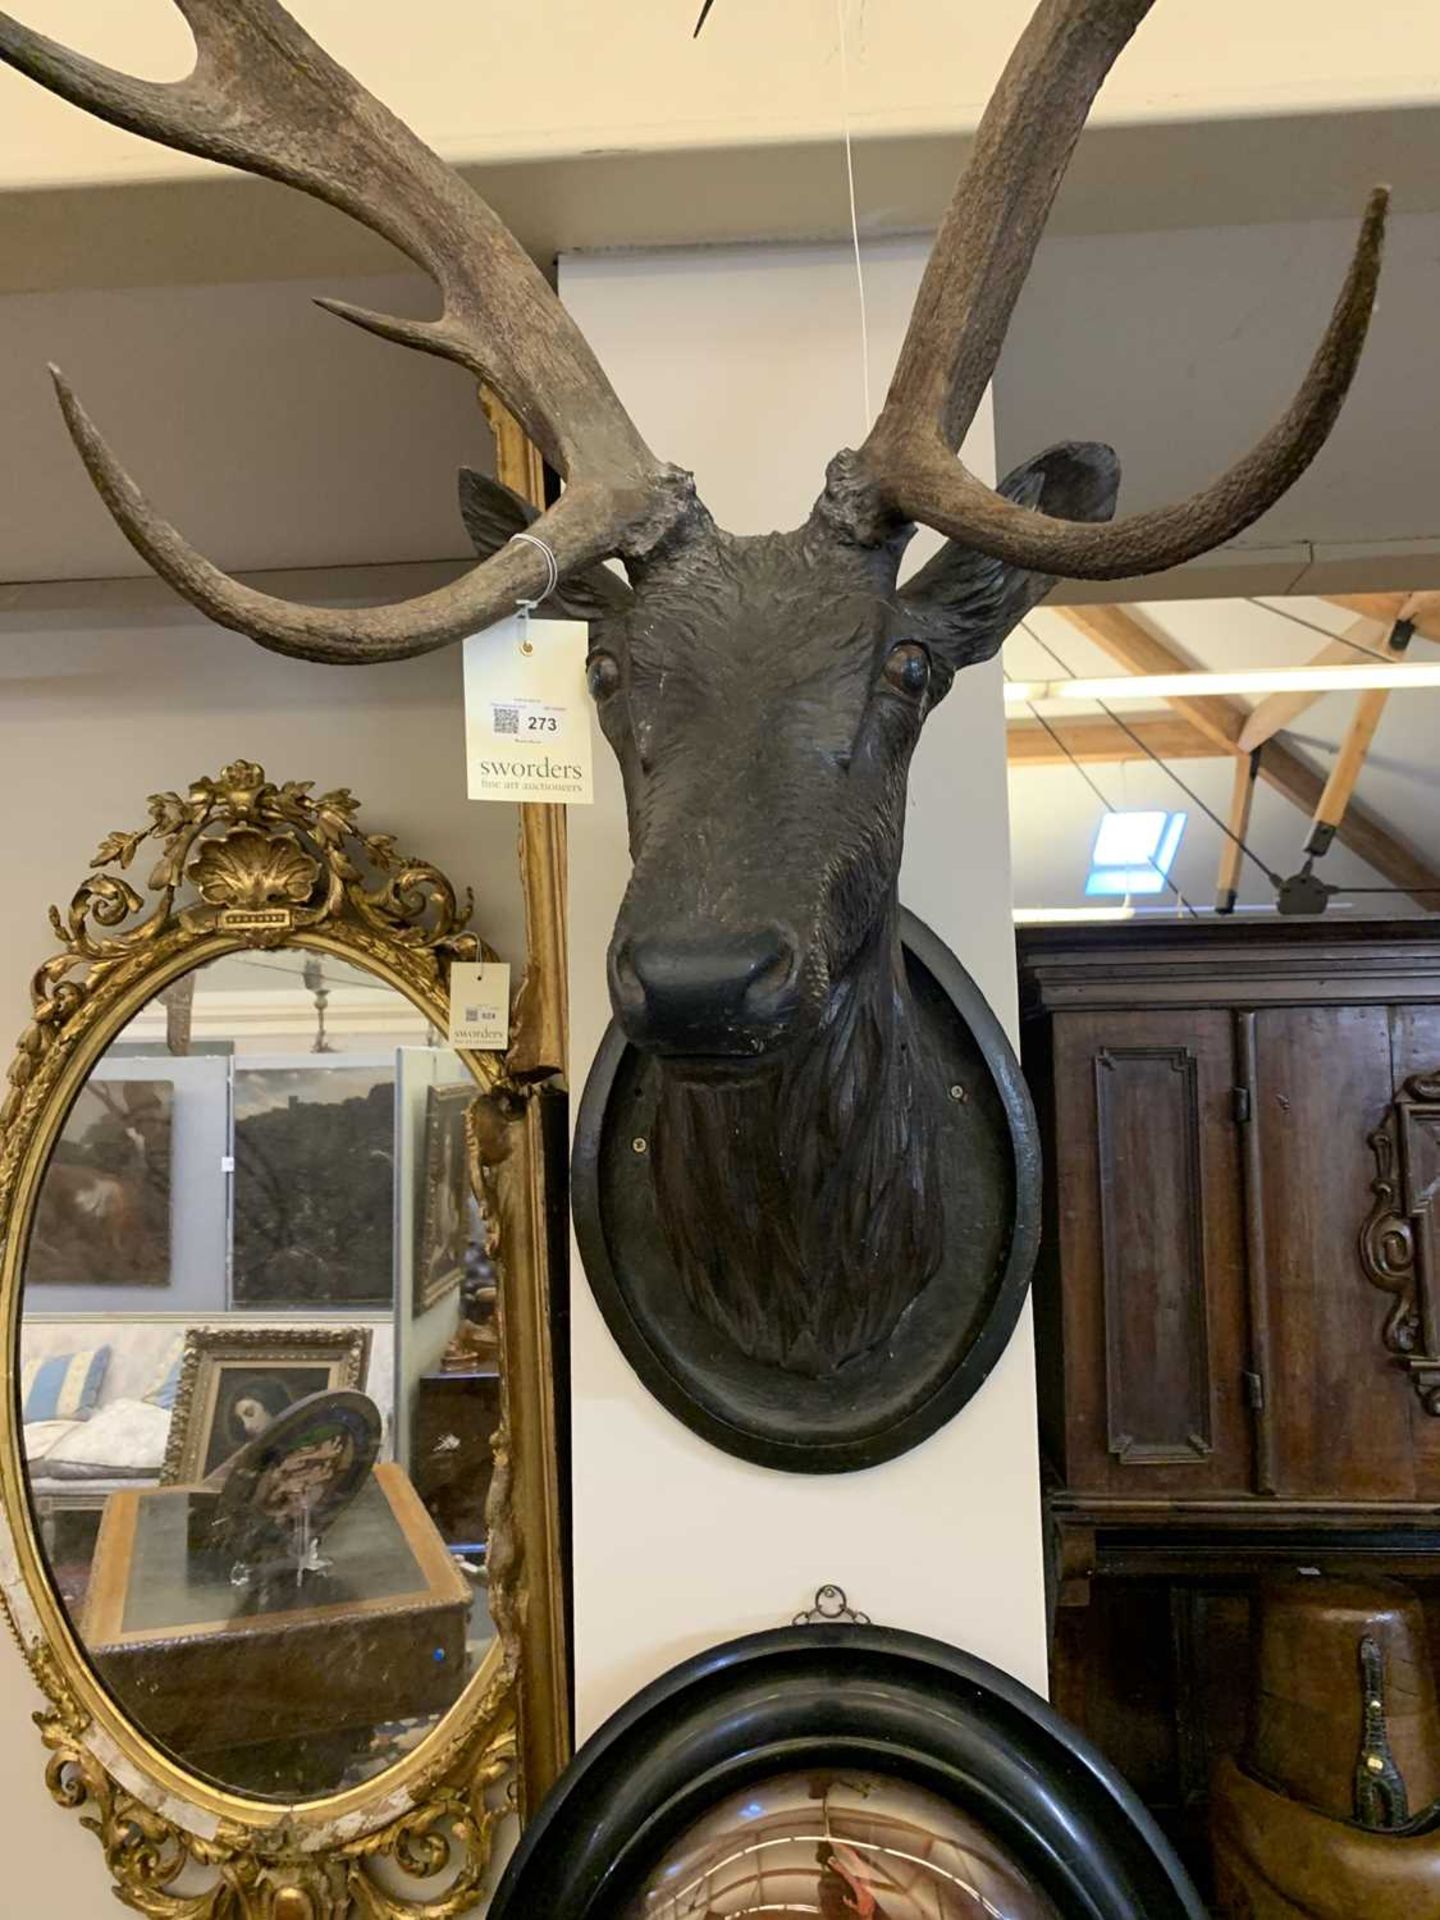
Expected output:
(907, 669)
(602, 675)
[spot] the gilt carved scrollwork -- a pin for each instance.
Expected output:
(272, 1874)
(1400, 1238)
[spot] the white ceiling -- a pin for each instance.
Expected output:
(272, 433)
(1181, 348)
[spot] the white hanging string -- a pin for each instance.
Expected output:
(840, 6)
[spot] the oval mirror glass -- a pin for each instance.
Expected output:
(258, 1374)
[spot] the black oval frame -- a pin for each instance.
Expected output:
(801, 1452)
(843, 1696)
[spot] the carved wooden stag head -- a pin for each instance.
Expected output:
(763, 694)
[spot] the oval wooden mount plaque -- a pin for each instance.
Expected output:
(942, 1347)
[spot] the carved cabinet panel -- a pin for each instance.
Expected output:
(1152, 1309)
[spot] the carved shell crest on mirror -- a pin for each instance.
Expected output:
(274, 1458)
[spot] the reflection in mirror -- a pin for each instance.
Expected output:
(260, 1374)
(838, 1843)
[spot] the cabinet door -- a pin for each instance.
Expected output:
(1339, 1408)
(1147, 1176)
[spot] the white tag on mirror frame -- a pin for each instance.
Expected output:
(527, 713)
(480, 1005)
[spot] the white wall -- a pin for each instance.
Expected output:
(746, 364)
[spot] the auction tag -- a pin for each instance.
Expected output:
(480, 1004)
(527, 712)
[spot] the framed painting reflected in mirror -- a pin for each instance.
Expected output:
(450, 1230)
(104, 1217)
(312, 1223)
(235, 1382)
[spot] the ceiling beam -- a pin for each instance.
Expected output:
(1222, 720)
(1360, 831)
(1232, 851)
(1340, 787)
(1422, 610)
(1126, 639)
(1095, 737)
(1282, 710)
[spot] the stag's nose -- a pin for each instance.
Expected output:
(709, 993)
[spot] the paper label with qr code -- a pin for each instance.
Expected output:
(527, 714)
(480, 1005)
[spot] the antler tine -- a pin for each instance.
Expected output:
(996, 216)
(935, 490)
(582, 527)
(265, 97)
(973, 280)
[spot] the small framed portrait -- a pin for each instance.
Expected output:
(447, 1215)
(235, 1382)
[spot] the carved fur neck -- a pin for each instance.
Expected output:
(802, 1208)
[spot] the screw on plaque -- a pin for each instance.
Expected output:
(830, 1605)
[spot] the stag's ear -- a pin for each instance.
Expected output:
(962, 604)
(493, 515)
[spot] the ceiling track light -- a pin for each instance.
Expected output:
(1258, 681)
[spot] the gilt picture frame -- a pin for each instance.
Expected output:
(240, 864)
(225, 1372)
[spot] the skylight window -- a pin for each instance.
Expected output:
(1134, 852)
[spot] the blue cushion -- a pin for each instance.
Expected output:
(167, 1378)
(64, 1387)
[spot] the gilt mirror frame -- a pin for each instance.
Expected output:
(245, 863)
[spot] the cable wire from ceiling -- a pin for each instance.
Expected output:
(1314, 626)
(1275, 879)
(1108, 805)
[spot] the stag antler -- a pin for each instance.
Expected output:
(264, 96)
(981, 258)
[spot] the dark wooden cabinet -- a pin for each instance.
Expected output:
(1209, 1095)
(1219, 1395)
